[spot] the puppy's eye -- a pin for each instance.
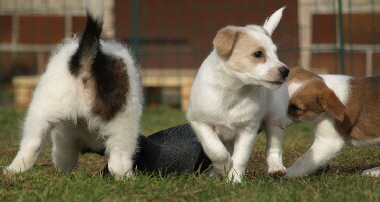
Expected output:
(294, 108)
(258, 54)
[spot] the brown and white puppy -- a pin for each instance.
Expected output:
(89, 99)
(344, 111)
(239, 86)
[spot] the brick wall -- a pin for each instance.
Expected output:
(359, 29)
(27, 39)
(179, 34)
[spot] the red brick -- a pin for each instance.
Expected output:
(361, 28)
(6, 28)
(78, 24)
(355, 63)
(324, 29)
(36, 29)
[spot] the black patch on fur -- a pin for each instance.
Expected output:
(89, 45)
(111, 85)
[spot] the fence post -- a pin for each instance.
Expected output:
(341, 39)
(136, 38)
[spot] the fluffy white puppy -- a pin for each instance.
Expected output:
(89, 99)
(234, 94)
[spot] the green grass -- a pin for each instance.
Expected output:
(43, 183)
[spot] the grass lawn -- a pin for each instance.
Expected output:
(341, 183)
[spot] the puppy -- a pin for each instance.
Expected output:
(344, 111)
(89, 99)
(235, 92)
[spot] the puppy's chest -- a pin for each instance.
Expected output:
(239, 112)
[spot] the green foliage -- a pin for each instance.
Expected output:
(43, 183)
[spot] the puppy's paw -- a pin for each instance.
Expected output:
(291, 173)
(234, 179)
(223, 168)
(235, 175)
(127, 176)
(277, 171)
(373, 172)
(11, 170)
(6, 170)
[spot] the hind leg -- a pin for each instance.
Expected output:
(121, 146)
(33, 140)
(66, 148)
(45, 111)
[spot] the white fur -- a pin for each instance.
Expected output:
(327, 144)
(228, 103)
(272, 22)
(96, 8)
(62, 105)
(339, 84)
(373, 172)
(294, 87)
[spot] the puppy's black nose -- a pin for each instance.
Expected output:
(284, 72)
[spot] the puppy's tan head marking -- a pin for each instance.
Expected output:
(249, 54)
(225, 39)
(311, 97)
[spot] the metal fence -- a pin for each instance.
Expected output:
(171, 38)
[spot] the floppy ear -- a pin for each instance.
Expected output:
(331, 103)
(271, 23)
(225, 39)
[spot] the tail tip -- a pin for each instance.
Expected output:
(95, 8)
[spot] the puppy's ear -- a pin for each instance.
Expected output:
(331, 103)
(271, 23)
(225, 40)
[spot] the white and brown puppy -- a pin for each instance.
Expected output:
(344, 111)
(235, 92)
(89, 99)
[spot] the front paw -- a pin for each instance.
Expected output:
(235, 175)
(11, 169)
(277, 171)
(223, 168)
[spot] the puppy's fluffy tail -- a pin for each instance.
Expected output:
(89, 44)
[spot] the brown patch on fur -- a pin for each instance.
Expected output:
(304, 105)
(243, 53)
(362, 119)
(331, 103)
(111, 86)
(313, 99)
(225, 39)
(301, 75)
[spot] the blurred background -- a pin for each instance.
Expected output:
(171, 38)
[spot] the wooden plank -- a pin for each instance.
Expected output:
(167, 81)
(25, 81)
(24, 86)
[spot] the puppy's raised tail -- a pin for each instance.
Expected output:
(89, 44)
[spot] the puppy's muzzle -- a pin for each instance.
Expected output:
(284, 71)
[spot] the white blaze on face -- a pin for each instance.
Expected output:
(294, 87)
